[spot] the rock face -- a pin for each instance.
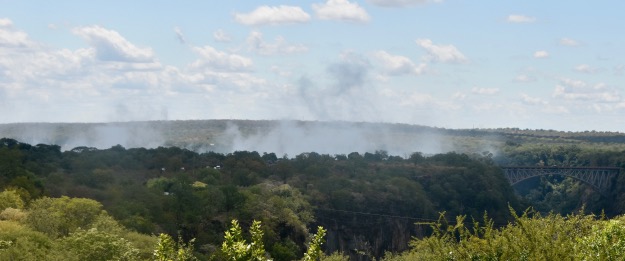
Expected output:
(366, 238)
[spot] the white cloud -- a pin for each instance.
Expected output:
(276, 15)
(417, 99)
(541, 54)
(441, 53)
(74, 79)
(398, 65)
(585, 68)
(524, 78)
(401, 3)
(221, 61)
(9, 37)
(6, 22)
(111, 46)
(532, 100)
(180, 35)
(484, 91)
(341, 10)
(280, 71)
(577, 90)
(573, 83)
(221, 36)
(257, 44)
(568, 42)
(40, 83)
(459, 96)
(516, 18)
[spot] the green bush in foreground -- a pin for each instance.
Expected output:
(235, 248)
(528, 237)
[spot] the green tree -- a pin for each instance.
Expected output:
(10, 199)
(606, 242)
(235, 248)
(314, 251)
(57, 217)
(97, 245)
(169, 250)
(18, 242)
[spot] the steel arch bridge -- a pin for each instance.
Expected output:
(600, 178)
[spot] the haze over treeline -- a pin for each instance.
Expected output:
(280, 137)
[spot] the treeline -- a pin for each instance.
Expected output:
(368, 202)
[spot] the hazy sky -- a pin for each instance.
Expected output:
(446, 63)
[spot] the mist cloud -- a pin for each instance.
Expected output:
(100, 135)
(293, 138)
(347, 95)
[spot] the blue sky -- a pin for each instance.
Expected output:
(447, 63)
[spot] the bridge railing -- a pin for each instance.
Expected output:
(598, 177)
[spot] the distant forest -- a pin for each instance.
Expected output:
(370, 203)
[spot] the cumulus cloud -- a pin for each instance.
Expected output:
(12, 38)
(27, 66)
(568, 42)
(524, 78)
(573, 83)
(401, 3)
(72, 85)
(273, 15)
(441, 53)
(82, 85)
(398, 65)
(257, 44)
(585, 68)
(221, 61)
(484, 91)
(111, 46)
(541, 54)
(577, 90)
(459, 96)
(516, 18)
(529, 100)
(341, 10)
(218, 70)
(221, 36)
(6, 22)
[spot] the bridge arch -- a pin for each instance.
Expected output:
(600, 178)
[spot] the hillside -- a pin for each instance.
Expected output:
(367, 183)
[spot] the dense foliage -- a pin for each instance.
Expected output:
(529, 237)
(180, 192)
(368, 202)
(67, 229)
